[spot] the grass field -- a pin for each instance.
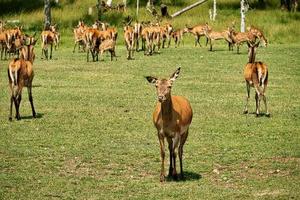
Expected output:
(94, 137)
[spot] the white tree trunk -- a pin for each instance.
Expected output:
(214, 10)
(243, 16)
(47, 13)
(137, 8)
(109, 2)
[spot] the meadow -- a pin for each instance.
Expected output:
(93, 137)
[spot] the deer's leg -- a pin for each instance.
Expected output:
(11, 105)
(162, 155)
(51, 47)
(170, 142)
(29, 89)
(196, 40)
(180, 152)
(210, 43)
(247, 97)
(175, 149)
(17, 105)
(257, 102)
(75, 47)
(87, 55)
(265, 101)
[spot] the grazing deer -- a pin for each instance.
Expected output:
(108, 45)
(20, 74)
(238, 38)
(256, 75)
(172, 118)
(129, 37)
(197, 31)
(258, 34)
(214, 35)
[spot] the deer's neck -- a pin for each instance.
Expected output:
(252, 56)
(166, 109)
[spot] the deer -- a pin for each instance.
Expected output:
(48, 38)
(197, 31)
(20, 74)
(147, 40)
(178, 37)
(129, 37)
(108, 45)
(172, 117)
(258, 34)
(79, 36)
(239, 38)
(214, 35)
(138, 34)
(256, 75)
(166, 32)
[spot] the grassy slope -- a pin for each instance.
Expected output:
(95, 139)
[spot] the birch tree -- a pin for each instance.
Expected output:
(47, 13)
(244, 9)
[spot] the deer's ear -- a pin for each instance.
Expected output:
(175, 75)
(151, 79)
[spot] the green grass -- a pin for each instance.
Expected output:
(94, 137)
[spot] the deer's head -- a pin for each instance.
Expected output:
(27, 49)
(163, 86)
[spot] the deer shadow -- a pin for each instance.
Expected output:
(38, 116)
(188, 176)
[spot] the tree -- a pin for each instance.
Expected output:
(244, 9)
(47, 13)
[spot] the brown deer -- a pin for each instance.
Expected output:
(138, 34)
(129, 37)
(197, 31)
(178, 37)
(20, 74)
(48, 38)
(256, 75)
(258, 34)
(214, 35)
(79, 36)
(108, 45)
(238, 38)
(172, 118)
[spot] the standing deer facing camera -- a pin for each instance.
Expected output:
(172, 118)
(256, 75)
(20, 74)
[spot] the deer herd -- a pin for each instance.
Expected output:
(173, 114)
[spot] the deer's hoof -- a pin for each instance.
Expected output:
(268, 115)
(245, 111)
(10, 119)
